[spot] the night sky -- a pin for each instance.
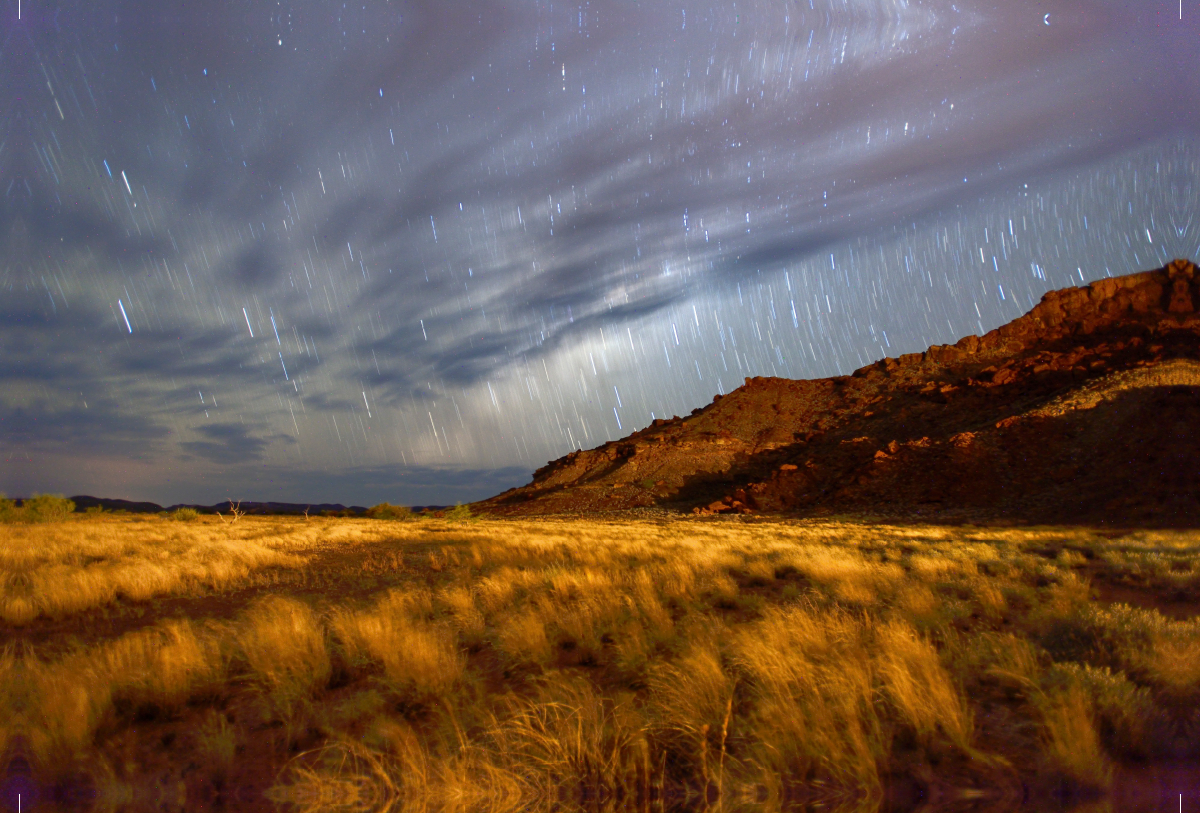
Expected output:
(412, 250)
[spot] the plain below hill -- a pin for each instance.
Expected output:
(1085, 409)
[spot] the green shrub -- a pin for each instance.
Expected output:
(95, 509)
(1124, 712)
(48, 508)
(458, 513)
(1115, 636)
(388, 511)
(8, 509)
(184, 514)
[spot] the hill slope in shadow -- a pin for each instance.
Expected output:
(1085, 409)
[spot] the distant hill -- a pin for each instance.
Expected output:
(84, 502)
(1085, 409)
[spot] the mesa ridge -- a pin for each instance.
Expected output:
(1081, 410)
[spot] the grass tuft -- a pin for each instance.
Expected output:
(417, 655)
(283, 644)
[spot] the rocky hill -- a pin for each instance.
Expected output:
(1085, 409)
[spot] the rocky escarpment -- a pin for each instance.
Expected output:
(1083, 409)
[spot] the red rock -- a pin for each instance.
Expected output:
(1132, 456)
(1181, 297)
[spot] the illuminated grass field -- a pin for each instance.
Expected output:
(652, 664)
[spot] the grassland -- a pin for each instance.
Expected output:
(653, 664)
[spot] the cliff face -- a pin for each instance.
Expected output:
(1087, 408)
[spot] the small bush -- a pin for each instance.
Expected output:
(184, 514)
(8, 509)
(94, 510)
(48, 508)
(1123, 711)
(388, 511)
(1118, 636)
(458, 513)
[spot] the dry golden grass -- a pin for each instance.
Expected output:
(415, 653)
(919, 687)
(523, 636)
(812, 676)
(1073, 744)
(58, 569)
(520, 665)
(64, 702)
(283, 644)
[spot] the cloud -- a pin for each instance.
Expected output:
(100, 427)
(254, 267)
(231, 444)
(31, 225)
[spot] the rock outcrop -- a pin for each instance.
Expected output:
(1085, 409)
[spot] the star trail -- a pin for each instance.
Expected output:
(410, 251)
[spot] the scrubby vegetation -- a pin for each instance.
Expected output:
(40, 508)
(353, 665)
(388, 511)
(459, 513)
